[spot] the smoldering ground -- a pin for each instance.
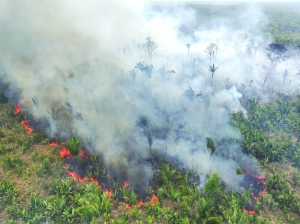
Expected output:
(81, 69)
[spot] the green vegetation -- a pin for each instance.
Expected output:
(283, 25)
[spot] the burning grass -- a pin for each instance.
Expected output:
(28, 128)
(17, 109)
(173, 196)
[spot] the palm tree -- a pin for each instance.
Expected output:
(149, 47)
(144, 68)
(213, 69)
(72, 146)
(133, 73)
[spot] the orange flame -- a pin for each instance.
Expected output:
(83, 154)
(126, 184)
(260, 194)
(127, 205)
(53, 144)
(17, 109)
(76, 177)
(140, 204)
(261, 180)
(251, 212)
(153, 200)
(65, 153)
(27, 127)
(110, 193)
(96, 182)
(66, 166)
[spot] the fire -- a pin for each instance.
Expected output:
(84, 154)
(260, 194)
(27, 127)
(110, 193)
(251, 212)
(127, 205)
(96, 182)
(76, 177)
(261, 188)
(153, 200)
(261, 179)
(17, 109)
(257, 186)
(53, 144)
(126, 184)
(65, 153)
(140, 204)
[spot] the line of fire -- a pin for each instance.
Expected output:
(255, 184)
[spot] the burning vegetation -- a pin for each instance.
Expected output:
(17, 109)
(256, 185)
(146, 129)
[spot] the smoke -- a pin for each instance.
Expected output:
(68, 63)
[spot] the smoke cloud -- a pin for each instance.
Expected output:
(68, 63)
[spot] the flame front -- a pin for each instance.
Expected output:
(84, 154)
(53, 144)
(17, 109)
(110, 193)
(76, 177)
(251, 212)
(153, 200)
(259, 189)
(126, 184)
(27, 127)
(141, 204)
(96, 182)
(65, 153)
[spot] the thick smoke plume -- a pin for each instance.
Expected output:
(68, 64)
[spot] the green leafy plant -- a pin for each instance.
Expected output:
(212, 186)
(211, 146)
(73, 146)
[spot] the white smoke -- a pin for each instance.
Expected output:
(74, 59)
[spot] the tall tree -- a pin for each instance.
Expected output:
(133, 73)
(149, 47)
(212, 49)
(275, 55)
(212, 69)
